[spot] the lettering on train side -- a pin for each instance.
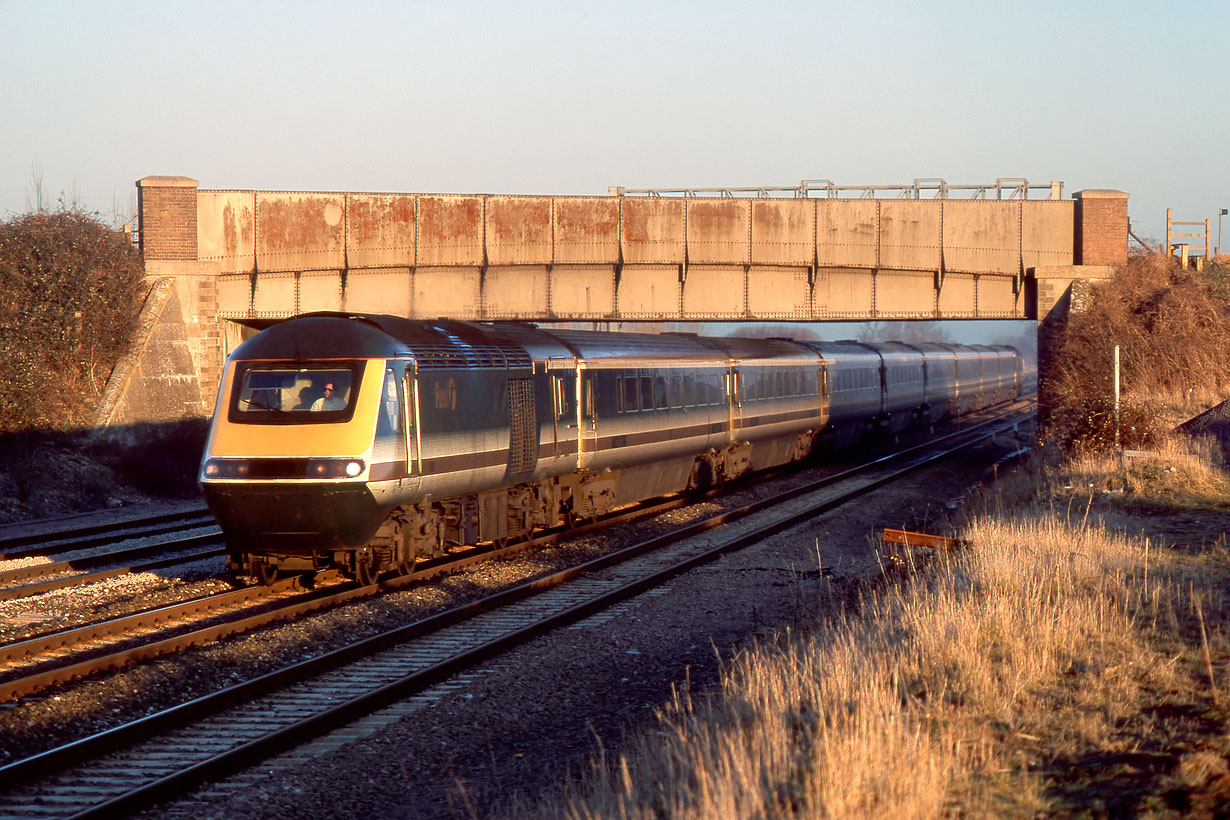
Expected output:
(446, 395)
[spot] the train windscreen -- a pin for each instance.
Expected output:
(270, 393)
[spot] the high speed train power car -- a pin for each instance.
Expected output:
(367, 442)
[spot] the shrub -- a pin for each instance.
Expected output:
(1173, 329)
(69, 299)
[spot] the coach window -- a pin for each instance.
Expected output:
(689, 390)
(659, 393)
(672, 392)
(627, 394)
(646, 393)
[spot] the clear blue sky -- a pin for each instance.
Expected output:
(572, 97)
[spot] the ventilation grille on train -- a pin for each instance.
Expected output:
(523, 428)
(468, 354)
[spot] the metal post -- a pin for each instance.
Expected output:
(1169, 249)
(1116, 397)
(1219, 245)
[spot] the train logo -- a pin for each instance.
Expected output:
(446, 395)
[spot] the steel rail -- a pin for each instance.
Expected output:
(248, 752)
(89, 561)
(147, 618)
(93, 535)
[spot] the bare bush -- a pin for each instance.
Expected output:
(69, 291)
(1173, 329)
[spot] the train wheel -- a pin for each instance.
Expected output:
(266, 574)
(365, 567)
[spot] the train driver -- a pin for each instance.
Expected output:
(331, 400)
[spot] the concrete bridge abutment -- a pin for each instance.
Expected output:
(1062, 291)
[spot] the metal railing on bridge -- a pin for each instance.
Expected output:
(1005, 188)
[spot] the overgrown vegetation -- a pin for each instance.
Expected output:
(70, 288)
(70, 291)
(1173, 329)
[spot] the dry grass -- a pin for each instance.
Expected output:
(1073, 661)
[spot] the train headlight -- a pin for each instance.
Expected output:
(335, 467)
(226, 468)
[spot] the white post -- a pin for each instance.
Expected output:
(1116, 397)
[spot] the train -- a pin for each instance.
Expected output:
(366, 443)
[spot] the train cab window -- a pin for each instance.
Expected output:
(281, 394)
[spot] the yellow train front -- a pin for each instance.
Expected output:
(313, 444)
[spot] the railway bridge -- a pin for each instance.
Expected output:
(818, 252)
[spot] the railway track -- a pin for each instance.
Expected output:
(168, 752)
(36, 663)
(64, 537)
(39, 662)
(91, 569)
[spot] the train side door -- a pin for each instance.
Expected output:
(822, 389)
(586, 414)
(410, 423)
(565, 415)
(734, 399)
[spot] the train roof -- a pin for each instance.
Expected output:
(439, 344)
(451, 344)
